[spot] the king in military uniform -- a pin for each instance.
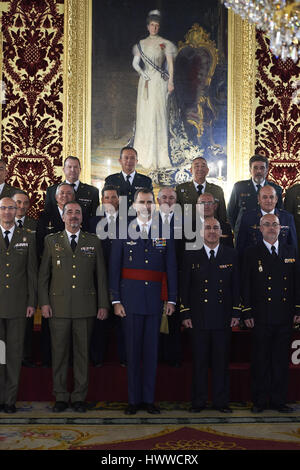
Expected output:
(140, 265)
(18, 291)
(72, 291)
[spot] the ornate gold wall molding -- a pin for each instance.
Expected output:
(241, 95)
(77, 82)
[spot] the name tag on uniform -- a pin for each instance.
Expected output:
(289, 260)
(159, 242)
(224, 266)
(245, 194)
(131, 243)
(84, 200)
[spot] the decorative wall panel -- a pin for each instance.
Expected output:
(277, 114)
(32, 115)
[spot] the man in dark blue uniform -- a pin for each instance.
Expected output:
(210, 297)
(170, 223)
(250, 233)
(143, 272)
(244, 193)
(128, 180)
(271, 303)
(85, 194)
(207, 206)
(107, 225)
(292, 205)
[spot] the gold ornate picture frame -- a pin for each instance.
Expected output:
(77, 89)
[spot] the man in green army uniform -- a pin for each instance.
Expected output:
(188, 193)
(72, 291)
(18, 293)
(22, 201)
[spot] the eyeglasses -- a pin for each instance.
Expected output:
(9, 208)
(209, 227)
(206, 203)
(268, 224)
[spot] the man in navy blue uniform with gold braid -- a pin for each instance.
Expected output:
(250, 233)
(128, 181)
(271, 303)
(210, 307)
(244, 193)
(143, 272)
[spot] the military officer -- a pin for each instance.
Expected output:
(249, 232)
(18, 291)
(270, 296)
(210, 307)
(139, 268)
(85, 194)
(128, 180)
(22, 201)
(188, 193)
(72, 291)
(244, 194)
(207, 207)
(292, 205)
(109, 230)
(51, 221)
(170, 341)
(5, 189)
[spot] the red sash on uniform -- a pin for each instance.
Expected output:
(147, 275)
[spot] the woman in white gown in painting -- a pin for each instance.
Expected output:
(151, 133)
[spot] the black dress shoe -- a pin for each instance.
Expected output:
(223, 409)
(152, 409)
(131, 409)
(281, 408)
(60, 406)
(10, 409)
(197, 409)
(79, 406)
(257, 409)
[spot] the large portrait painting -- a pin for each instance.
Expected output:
(159, 84)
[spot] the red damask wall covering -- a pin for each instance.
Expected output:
(32, 115)
(277, 114)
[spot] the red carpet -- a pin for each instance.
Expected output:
(188, 438)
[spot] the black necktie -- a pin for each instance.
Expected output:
(273, 250)
(258, 186)
(73, 243)
(212, 256)
(199, 188)
(128, 180)
(20, 223)
(6, 238)
(73, 186)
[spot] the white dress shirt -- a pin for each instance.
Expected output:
(269, 246)
(208, 250)
(131, 175)
(11, 230)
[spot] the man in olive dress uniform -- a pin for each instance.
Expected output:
(18, 293)
(72, 291)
